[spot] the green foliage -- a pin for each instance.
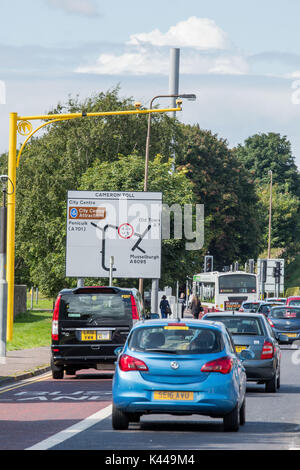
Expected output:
(227, 191)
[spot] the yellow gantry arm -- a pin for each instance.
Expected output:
(13, 164)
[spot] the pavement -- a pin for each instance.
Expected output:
(24, 364)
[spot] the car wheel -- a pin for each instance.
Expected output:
(57, 371)
(243, 413)
(232, 420)
(271, 385)
(120, 420)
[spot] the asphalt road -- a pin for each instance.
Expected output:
(74, 414)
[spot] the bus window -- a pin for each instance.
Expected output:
(238, 283)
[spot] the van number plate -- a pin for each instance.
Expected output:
(92, 335)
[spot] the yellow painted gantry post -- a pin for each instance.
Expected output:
(23, 125)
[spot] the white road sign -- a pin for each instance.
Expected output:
(125, 225)
(270, 281)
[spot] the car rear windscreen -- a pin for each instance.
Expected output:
(295, 302)
(240, 325)
(285, 313)
(176, 340)
(93, 306)
(251, 306)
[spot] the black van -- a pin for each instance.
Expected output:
(88, 324)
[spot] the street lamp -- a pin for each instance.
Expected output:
(270, 213)
(190, 97)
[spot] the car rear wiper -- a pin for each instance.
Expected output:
(166, 351)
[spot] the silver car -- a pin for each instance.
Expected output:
(253, 332)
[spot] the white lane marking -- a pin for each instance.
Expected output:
(73, 430)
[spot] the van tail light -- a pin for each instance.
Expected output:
(55, 319)
(134, 310)
(223, 365)
(241, 309)
(268, 350)
(127, 363)
(270, 322)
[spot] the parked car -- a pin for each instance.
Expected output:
(180, 368)
(265, 307)
(293, 301)
(252, 331)
(88, 324)
(249, 306)
(285, 322)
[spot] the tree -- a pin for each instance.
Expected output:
(259, 154)
(226, 189)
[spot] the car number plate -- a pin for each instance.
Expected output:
(93, 335)
(291, 335)
(177, 396)
(240, 348)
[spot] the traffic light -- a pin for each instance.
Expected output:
(277, 271)
(208, 264)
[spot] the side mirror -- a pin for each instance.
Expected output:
(246, 354)
(118, 351)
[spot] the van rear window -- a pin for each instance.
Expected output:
(92, 306)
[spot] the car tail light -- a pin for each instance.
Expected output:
(271, 323)
(127, 363)
(222, 365)
(55, 319)
(268, 350)
(134, 310)
(241, 309)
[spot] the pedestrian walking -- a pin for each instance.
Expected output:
(196, 307)
(164, 307)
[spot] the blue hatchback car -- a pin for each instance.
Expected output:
(182, 368)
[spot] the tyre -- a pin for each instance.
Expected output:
(232, 420)
(243, 413)
(120, 420)
(278, 382)
(57, 371)
(271, 385)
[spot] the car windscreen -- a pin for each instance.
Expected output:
(284, 313)
(294, 302)
(237, 283)
(176, 340)
(94, 305)
(240, 325)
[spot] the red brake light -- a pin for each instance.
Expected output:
(55, 319)
(268, 351)
(241, 309)
(222, 365)
(270, 322)
(127, 363)
(134, 310)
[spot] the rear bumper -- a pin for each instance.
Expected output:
(260, 369)
(210, 398)
(65, 359)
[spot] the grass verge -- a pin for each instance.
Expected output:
(31, 330)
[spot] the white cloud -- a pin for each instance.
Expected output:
(80, 7)
(199, 33)
(206, 50)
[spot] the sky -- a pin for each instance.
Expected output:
(241, 59)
